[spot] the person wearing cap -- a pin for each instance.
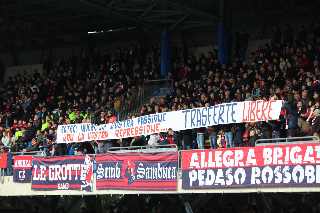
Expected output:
(34, 146)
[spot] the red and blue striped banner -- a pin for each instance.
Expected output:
(6, 161)
(137, 171)
(22, 168)
(62, 173)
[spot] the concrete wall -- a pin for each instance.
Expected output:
(12, 71)
(10, 188)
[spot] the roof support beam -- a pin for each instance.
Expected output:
(111, 3)
(102, 7)
(285, 4)
(4, 21)
(145, 12)
(252, 7)
(161, 15)
(188, 10)
(18, 31)
(178, 22)
(29, 3)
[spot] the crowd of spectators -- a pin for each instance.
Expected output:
(72, 90)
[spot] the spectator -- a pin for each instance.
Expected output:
(68, 94)
(213, 132)
(183, 55)
(162, 139)
(316, 123)
(292, 119)
(200, 137)
(174, 138)
(239, 131)
(253, 138)
(276, 37)
(244, 44)
(305, 99)
(47, 63)
(96, 60)
(237, 45)
(287, 36)
(34, 146)
(303, 128)
(302, 36)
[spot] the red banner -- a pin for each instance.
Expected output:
(137, 171)
(276, 165)
(62, 173)
(22, 168)
(6, 161)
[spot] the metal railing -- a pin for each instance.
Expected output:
(111, 103)
(37, 153)
(144, 149)
(33, 153)
(131, 104)
(148, 90)
(283, 141)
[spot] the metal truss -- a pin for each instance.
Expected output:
(43, 22)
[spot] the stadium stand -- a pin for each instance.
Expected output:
(102, 62)
(129, 85)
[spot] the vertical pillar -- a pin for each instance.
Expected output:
(223, 44)
(165, 54)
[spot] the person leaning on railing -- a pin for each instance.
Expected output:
(316, 123)
(20, 143)
(34, 146)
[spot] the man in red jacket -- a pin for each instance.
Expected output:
(305, 61)
(111, 117)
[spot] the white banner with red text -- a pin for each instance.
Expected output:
(236, 112)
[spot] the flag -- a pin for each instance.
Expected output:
(22, 168)
(6, 161)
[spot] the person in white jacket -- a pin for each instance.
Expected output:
(6, 140)
(153, 139)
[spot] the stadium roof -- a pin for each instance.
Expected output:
(39, 21)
